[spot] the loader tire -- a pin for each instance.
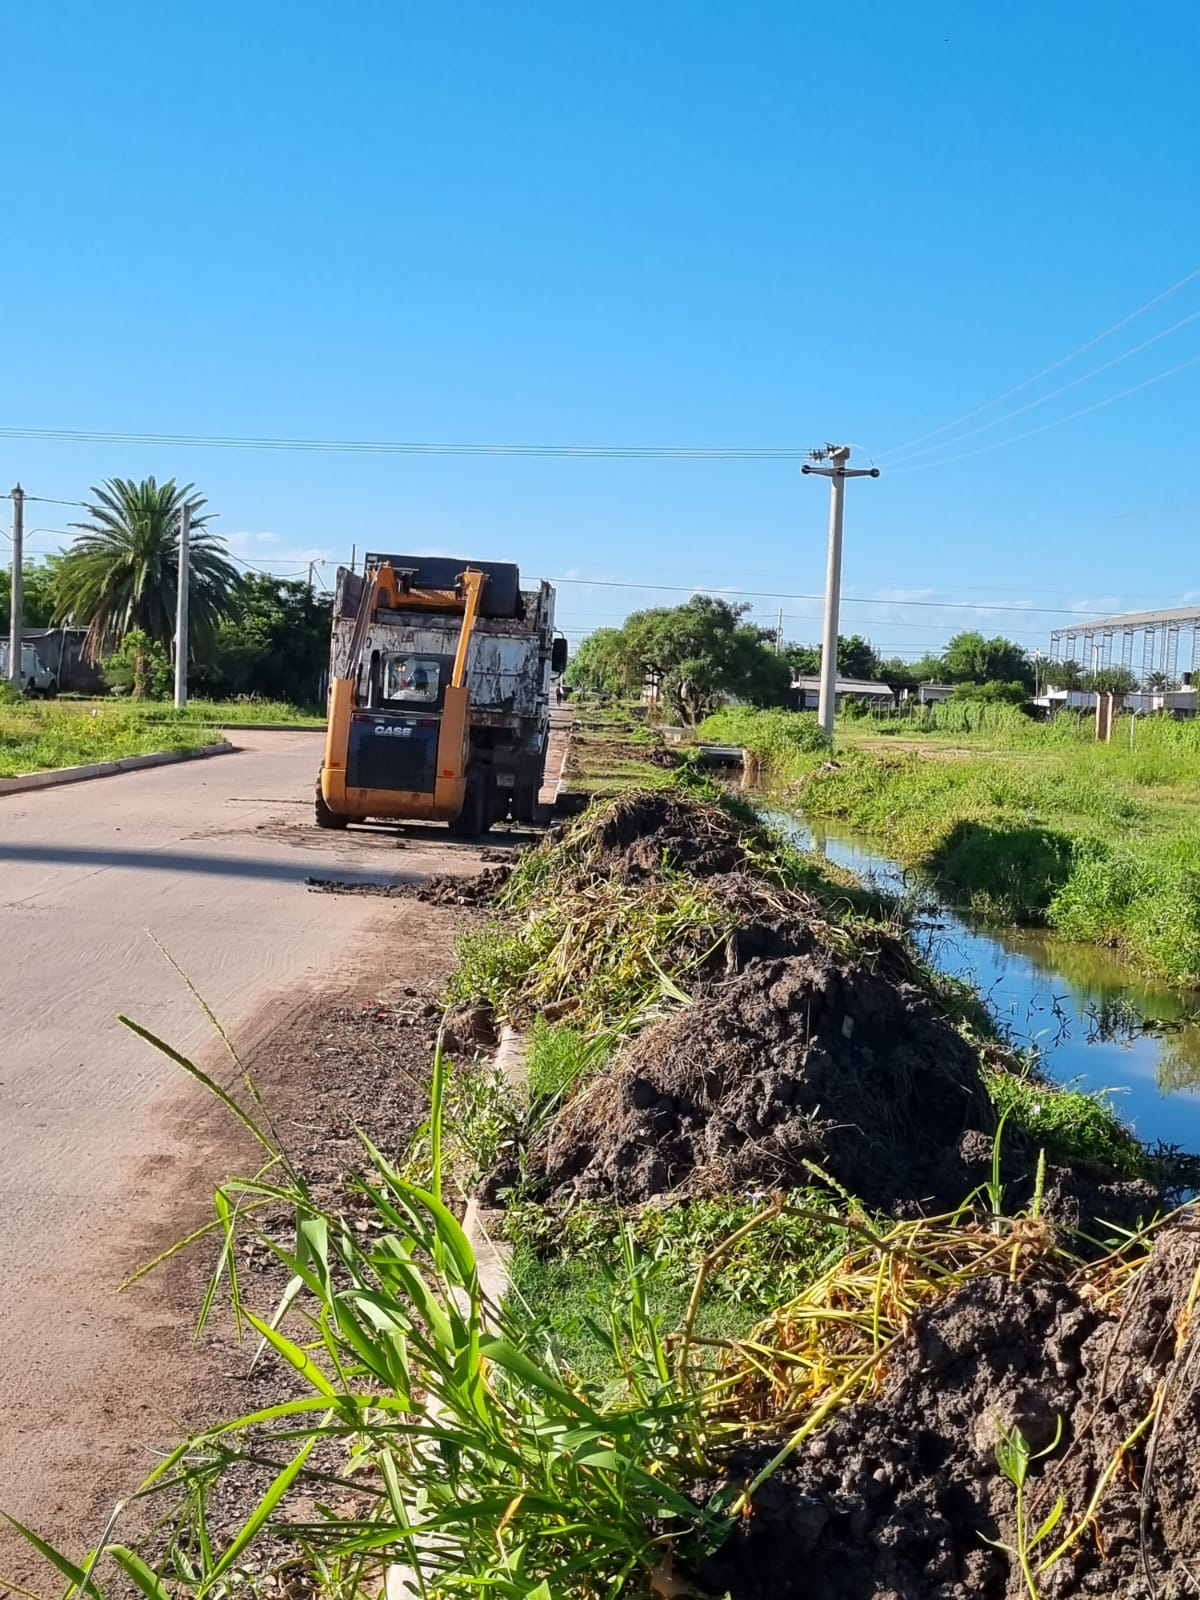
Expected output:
(476, 816)
(324, 816)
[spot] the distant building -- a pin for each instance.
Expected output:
(932, 694)
(61, 651)
(805, 693)
(1179, 702)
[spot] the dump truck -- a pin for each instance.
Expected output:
(439, 693)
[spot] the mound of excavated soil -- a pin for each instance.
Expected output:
(811, 1057)
(640, 834)
(895, 1499)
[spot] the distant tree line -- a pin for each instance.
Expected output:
(705, 651)
(249, 633)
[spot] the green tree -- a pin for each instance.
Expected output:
(702, 652)
(928, 669)
(856, 658)
(898, 674)
(970, 658)
(1013, 694)
(1111, 680)
(274, 643)
(139, 667)
(122, 570)
(901, 674)
(1063, 675)
(1158, 682)
(37, 606)
(599, 665)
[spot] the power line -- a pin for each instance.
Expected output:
(1032, 405)
(1072, 416)
(45, 500)
(1054, 366)
(417, 447)
(857, 600)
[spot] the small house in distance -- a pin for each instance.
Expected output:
(932, 694)
(805, 693)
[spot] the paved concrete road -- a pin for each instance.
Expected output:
(210, 858)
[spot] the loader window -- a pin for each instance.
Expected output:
(412, 680)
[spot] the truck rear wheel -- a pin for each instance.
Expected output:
(325, 817)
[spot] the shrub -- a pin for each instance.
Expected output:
(139, 668)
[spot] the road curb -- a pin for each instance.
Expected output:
(29, 781)
(272, 727)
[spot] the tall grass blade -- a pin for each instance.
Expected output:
(202, 1077)
(259, 1515)
(76, 1576)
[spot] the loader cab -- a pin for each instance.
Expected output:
(404, 680)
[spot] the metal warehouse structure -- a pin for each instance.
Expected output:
(1143, 641)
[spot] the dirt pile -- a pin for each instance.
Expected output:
(812, 1057)
(896, 1499)
(642, 833)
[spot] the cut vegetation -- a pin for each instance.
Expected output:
(815, 1290)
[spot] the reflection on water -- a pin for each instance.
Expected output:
(1094, 1021)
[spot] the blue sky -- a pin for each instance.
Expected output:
(770, 224)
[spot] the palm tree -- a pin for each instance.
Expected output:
(1158, 681)
(122, 571)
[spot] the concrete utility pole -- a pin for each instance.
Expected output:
(779, 634)
(181, 608)
(17, 600)
(837, 472)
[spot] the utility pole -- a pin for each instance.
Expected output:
(181, 608)
(837, 472)
(779, 634)
(17, 601)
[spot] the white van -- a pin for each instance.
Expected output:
(36, 678)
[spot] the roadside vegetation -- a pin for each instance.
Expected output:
(1024, 822)
(722, 1296)
(614, 748)
(39, 736)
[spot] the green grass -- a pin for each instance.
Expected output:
(1025, 822)
(39, 736)
(222, 713)
(774, 737)
(611, 746)
(1071, 1125)
(569, 1268)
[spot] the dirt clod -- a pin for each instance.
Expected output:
(442, 889)
(641, 834)
(470, 1029)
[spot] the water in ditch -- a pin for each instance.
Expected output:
(1095, 1022)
